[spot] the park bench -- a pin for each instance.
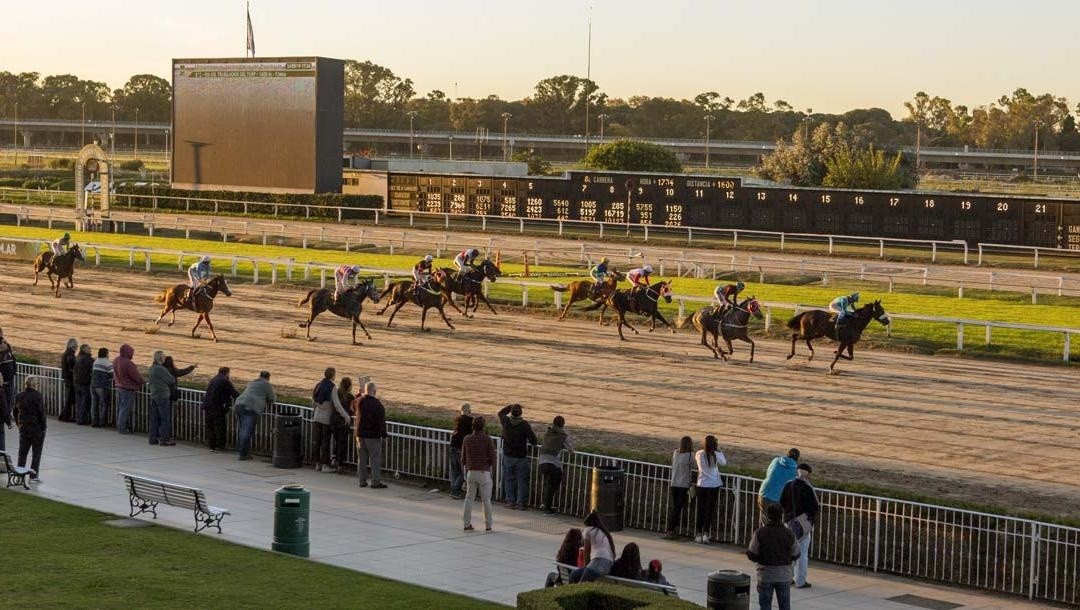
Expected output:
(668, 590)
(145, 494)
(16, 475)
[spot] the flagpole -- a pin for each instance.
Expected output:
(588, 78)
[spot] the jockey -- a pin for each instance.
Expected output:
(843, 306)
(599, 273)
(344, 278)
(421, 272)
(198, 273)
(639, 278)
(465, 258)
(60, 245)
(727, 295)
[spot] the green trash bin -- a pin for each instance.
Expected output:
(292, 503)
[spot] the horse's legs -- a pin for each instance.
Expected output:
(197, 323)
(307, 325)
(71, 280)
(705, 341)
(357, 321)
(811, 348)
(394, 313)
(622, 321)
(850, 351)
(747, 339)
(657, 315)
(476, 304)
(566, 308)
(839, 352)
(211, 325)
(794, 338)
(445, 319)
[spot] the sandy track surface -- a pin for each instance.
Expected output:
(993, 433)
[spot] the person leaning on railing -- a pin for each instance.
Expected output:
(218, 397)
(250, 405)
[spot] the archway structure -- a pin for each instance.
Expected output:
(92, 155)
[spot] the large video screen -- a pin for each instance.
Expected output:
(269, 124)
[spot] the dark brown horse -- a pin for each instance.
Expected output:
(63, 267)
(580, 290)
(348, 305)
(425, 298)
(471, 285)
(732, 324)
(813, 324)
(645, 302)
(177, 297)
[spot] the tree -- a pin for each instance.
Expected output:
(537, 165)
(802, 161)
(23, 89)
(558, 106)
(65, 96)
(375, 96)
(633, 156)
(867, 168)
(152, 95)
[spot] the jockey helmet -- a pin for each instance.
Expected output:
(739, 286)
(647, 268)
(205, 258)
(66, 237)
(355, 268)
(854, 297)
(604, 261)
(428, 258)
(474, 252)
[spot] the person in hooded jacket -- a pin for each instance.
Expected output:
(101, 384)
(128, 381)
(781, 470)
(550, 463)
(80, 376)
(67, 373)
(218, 398)
(517, 435)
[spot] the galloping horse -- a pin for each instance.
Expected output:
(348, 305)
(810, 325)
(585, 289)
(425, 298)
(177, 297)
(470, 283)
(645, 302)
(63, 267)
(732, 325)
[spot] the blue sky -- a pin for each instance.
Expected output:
(829, 55)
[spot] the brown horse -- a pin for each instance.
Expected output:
(471, 284)
(63, 267)
(645, 302)
(581, 290)
(348, 305)
(813, 324)
(732, 324)
(177, 297)
(425, 298)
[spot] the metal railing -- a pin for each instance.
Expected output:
(998, 553)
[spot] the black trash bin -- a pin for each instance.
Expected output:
(607, 495)
(729, 590)
(288, 442)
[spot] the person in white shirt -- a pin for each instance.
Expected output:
(679, 485)
(708, 460)
(599, 551)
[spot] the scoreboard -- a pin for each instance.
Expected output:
(679, 200)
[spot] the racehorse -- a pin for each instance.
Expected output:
(470, 283)
(348, 305)
(63, 267)
(645, 302)
(425, 298)
(177, 297)
(732, 325)
(813, 324)
(585, 289)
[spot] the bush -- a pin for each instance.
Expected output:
(867, 169)
(11, 182)
(64, 163)
(633, 156)
(67, 184)
(133, 165)
(598, 596)
(203, 201)
(36, 183)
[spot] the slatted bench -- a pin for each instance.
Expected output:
(564, 571)
(16, 475)
(145, 494)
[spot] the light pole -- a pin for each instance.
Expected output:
(112, 138)
(136, 133)
(15, 134)
(451, 147)
(82, 127)
(506, 120)
(412, 115)
(918, 146)
(602, 117)
(708, 126)
(1035, 153)
(168, 152)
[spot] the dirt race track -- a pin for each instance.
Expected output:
(986, 432)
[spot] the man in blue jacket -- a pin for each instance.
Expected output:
(782, 470)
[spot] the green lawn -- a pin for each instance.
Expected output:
(61, 556)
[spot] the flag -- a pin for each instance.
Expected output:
(250, 34)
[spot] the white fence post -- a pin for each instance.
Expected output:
(1033, 570)
(960, 336)
(877, 533)
(1065, 357)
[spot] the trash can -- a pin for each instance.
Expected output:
(288, 442)
(291, 506)
(728, 590)
(607, 495)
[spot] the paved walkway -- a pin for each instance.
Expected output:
(408, 533)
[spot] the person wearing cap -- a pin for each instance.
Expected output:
(773, 548)
(727, 296)
(60, 245)
(462, 428)
(843, 307)
(517, 435)
(599, 273)
(421, 272)
(30, 416)
(800, 506)
(781, 470)
(198, 273)
(345, 278)
(639, 278)
(555, 441)
(249, 407)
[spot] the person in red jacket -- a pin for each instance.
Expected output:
(128, 381)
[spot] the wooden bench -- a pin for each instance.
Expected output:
(564, 571)
(16, 475)
(145, 494)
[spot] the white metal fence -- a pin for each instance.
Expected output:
(1037, 560)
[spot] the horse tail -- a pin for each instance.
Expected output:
(559, 287)
(389, 288)
(686, 321)
(795, 323)
(162, 297)
(304, 300)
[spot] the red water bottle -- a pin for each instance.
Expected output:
(581, 557)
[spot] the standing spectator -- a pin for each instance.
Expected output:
(800, 505)
(628, 565)
(370, 433)
(462, 428)
(679, 485)
(781, 470)
(101, 383)
(67, 373)
(219, 396)
(566, 555)
(708, 459)
(773, 548)
(550, 462)
(5, 416)
(517, 435)
(599, 551)
(128, 381)
(7, 368)
(478, 458)
(161, 383)
(322, 400)
(30, 415)
(174, 391)
(341, 423)
(256, 398)
(84, 369)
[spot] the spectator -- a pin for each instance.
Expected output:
(30, 415)
(67, 372)
(655, 573)
(161, 383)
(708, 459)
(256, 397)
(599, 551)
(800, 505)
(628, 565)
(84, 369)
(5, 416)
(322, 400)
(567, 555)
(7, 368)
(517, 435)
(773, 548)
(679, 485)
(370, 432)
(550, 462)
(478, 459)
(462, 428)
(219, 396)
(101, 383)
(341, 423)
(128, 381)
(174, 390)
(781, 470)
